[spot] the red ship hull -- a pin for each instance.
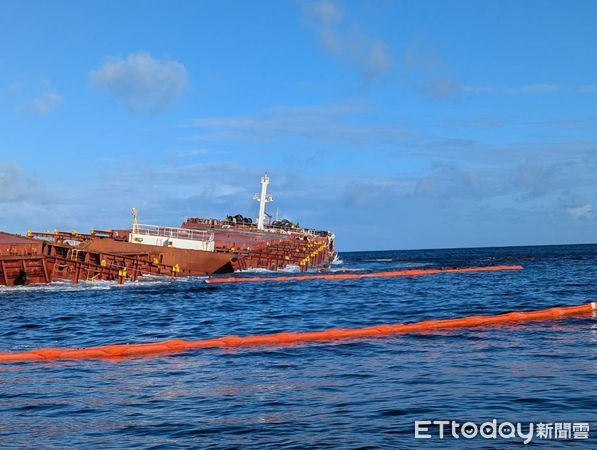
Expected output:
(272, 248)
(190, 262)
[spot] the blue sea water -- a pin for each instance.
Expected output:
(357, 394)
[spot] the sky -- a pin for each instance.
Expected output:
(395, 124)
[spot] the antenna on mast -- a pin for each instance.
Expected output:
(262, 198)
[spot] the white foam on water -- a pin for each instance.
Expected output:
(255, 270)
(56, 286)
(346, 269)
(291, 268)
(97, 285)
(189, 279)
(153, 279)
(414, 264)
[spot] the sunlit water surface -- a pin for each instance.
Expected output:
(359, 394)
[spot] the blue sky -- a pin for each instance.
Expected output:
(397, 124)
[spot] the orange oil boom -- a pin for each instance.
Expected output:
(130, 350)
(352, 276)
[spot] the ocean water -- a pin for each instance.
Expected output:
(358, 394)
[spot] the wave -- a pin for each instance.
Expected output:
(102, 285)
(291, 268)
(66, 286)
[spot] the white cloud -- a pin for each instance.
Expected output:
(425, 62)
(142, 82)
(578, 207)
(369, 55)
(324, 16)
(26, 202)
(372, 55)
(331, 123)
(540, 88)
(16, 185)
(191, 153)
(536, 178)
(376, 192)
(48, 101)
(584, 212)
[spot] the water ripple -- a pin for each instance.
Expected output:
(354, 394)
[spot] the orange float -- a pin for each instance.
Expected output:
(177, 345)
(352, 276)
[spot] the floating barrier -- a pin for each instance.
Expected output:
(352, 276)
(334, 334)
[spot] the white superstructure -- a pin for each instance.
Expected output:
(171, 236)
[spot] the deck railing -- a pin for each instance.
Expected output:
(173, 232)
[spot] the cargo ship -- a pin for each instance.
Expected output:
(200, 246)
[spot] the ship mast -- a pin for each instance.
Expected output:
(263, 198)
(135, 221)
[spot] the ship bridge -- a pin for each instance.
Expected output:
(172, 237)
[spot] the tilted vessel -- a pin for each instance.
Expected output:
(201, 246)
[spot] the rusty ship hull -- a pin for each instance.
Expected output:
(189, 262)
(45, 257)
(22, 261)
(272, 248)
